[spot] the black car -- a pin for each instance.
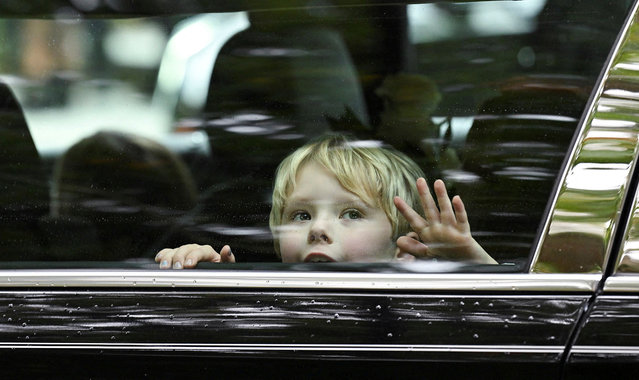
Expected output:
(131, 126)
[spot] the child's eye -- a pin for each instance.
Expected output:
(300, 216)
(351, 214)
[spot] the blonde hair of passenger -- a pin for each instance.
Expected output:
(374, 173)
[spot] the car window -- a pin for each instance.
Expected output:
(123, 136)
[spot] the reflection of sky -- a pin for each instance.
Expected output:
(190, 54)
(430, 22)
(122, 44)
(597, 177)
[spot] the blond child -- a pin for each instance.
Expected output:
(337, 200)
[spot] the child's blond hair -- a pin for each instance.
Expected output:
(374, 173)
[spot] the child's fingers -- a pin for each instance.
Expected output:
(416, 222)
(411, 246)
(226, 256)
(186, 256)
(428, 203)
(446, 214)
(165, 258)
(181, 253)
(460, 211)
(199, 253)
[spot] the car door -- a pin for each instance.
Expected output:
(128, 319)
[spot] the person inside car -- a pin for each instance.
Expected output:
(114, 194)
(341, 200)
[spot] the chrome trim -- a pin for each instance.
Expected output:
(298, 280)
(605, 148)
(288, 347)
(621, 283)
(599, 350)
(628, 255)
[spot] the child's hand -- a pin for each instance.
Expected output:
(445, 233)
(188, 255)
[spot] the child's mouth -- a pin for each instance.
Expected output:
(318, 258)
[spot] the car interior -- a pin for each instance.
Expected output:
(497, 117)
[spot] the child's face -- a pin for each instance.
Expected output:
(322, 221)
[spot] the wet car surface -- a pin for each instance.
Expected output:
(533, 122)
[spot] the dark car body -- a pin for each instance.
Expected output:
(551, 156)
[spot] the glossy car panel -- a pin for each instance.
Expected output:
(608, 337)
(429, 329)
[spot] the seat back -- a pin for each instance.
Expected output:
(515, 149)
(23, 185)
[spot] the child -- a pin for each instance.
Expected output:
(341, 200)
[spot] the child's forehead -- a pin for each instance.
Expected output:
(315, 182)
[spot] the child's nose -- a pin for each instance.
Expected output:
(315, 236)
(319, 232)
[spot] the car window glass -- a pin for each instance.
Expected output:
(128, 135)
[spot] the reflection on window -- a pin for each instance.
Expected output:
(484, 95)
(435, 22)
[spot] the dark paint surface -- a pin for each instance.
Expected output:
(613, 321)
(611, 336)
(243, 330)
(284, 317)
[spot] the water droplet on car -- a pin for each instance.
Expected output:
(378, 307)
(336, 316)
(390, 335)
(475, 336)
